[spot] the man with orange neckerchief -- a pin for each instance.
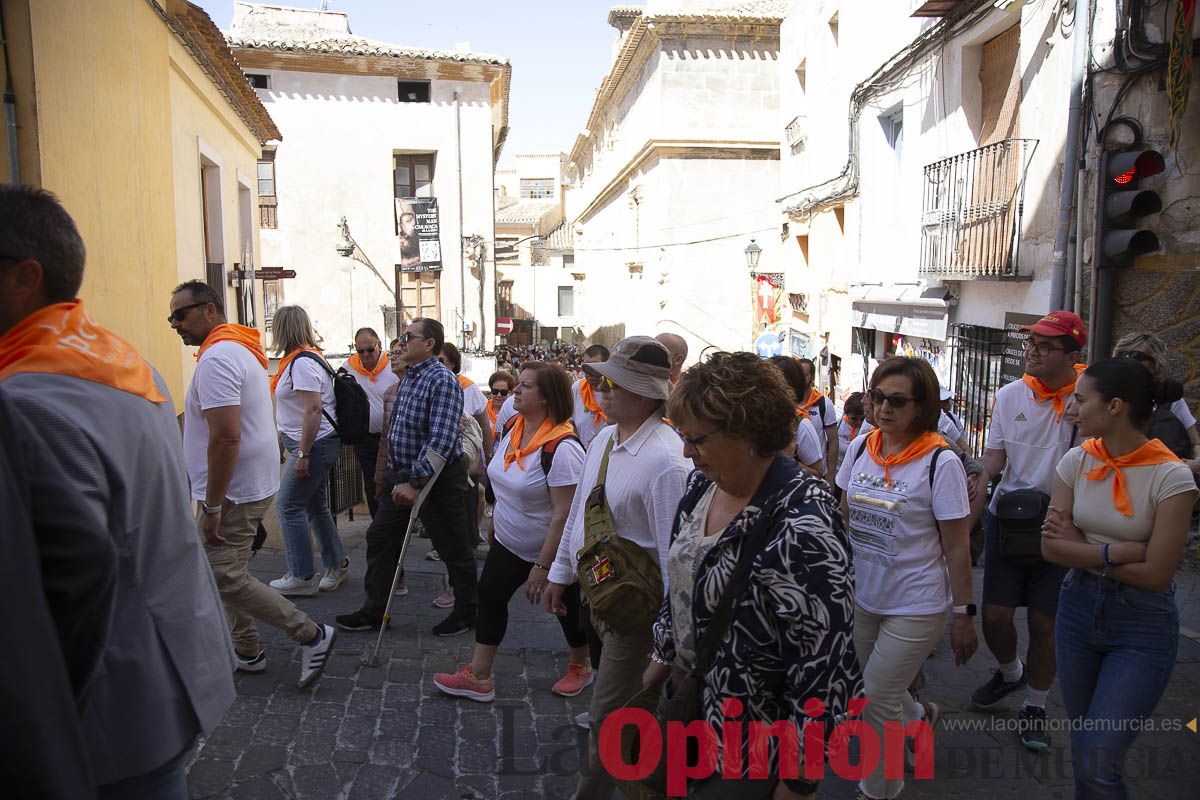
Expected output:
(1029, 435)
(369, 366)
(588, 418)
(166, 675)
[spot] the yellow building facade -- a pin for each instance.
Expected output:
(137, 116)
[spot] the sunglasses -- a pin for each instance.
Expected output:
(500, 392)
(607, 384)
(1137, 356)
(893, 400)
(364, 350)
(179, 314)
(407, 337)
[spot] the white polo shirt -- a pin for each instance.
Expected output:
(808, 443)
(830, 419)
(647, 475)
(1032, 439)
(523, 505)
(585, 422)
(228, 374)
(474, 403)
(385, 380)
(899, 567)
(1180, 409)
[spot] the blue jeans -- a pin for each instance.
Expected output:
(304, 502)
(167, 782)
(1116, 649)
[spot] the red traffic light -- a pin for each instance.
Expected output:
(1133, 165)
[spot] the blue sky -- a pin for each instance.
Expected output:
(559, 51)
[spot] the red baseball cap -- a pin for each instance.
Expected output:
(1060, 323)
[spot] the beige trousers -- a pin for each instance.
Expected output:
(246, 598)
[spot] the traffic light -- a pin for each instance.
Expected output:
(1121, 204)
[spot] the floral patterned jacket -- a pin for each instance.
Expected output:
(791, 638)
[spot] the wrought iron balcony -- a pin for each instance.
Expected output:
(971, 211)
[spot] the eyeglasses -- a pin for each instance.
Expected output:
(696, 442)
(179, 314)
(408, 336)
(893, 400)
(500, 392)
(1042, 348)
(1137, 355)
(362, 351)
(395, 353)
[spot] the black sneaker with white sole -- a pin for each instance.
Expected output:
(358, 621)
(1032, 729)
(314, 656)
(996, 689)
(453, 625)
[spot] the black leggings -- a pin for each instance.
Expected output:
(504, 573)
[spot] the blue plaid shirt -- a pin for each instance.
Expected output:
(425, 419)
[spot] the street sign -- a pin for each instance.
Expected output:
(768, 344)
(273, 273)
(1013, 365)
(504, 325)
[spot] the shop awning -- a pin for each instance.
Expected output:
(907, 310)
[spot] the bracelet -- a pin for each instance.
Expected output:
(540, 566)
(1104, 555)
(657, 660)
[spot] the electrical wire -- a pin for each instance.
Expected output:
(670, 244)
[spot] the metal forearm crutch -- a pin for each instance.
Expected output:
(438, 463)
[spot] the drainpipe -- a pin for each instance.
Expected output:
(1066, 195)
(10, 113)
(462, 259)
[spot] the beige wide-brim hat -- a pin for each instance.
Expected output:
(638, 364)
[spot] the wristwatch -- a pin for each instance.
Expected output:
(301, 454)
(417, 482)
(969, 609)
(209, 510)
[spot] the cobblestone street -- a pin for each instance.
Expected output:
(377, 733)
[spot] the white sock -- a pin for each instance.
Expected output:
(1035, 698)
(1012, 671)
(910, 710)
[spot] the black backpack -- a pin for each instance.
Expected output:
(1167, 428)
(353, 424)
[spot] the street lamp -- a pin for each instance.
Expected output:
(347, 247)
(753, 253)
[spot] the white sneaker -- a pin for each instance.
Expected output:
(313, 657)
(291, 586)
(334, 577)
(581, 721)
(256, 664)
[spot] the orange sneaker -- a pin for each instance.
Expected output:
(578, 678)
(464, 684)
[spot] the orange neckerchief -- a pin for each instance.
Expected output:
(464, 381)
(491, 412)
(925, 443)
(354, 362)
(546, 432)
(248, 338)
(813, 397)
(589, 402)
(1151, 453)
(1059, 397)
(288, 359)
(853, 430)
(63, 339)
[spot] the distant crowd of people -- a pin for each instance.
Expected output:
(717, 540)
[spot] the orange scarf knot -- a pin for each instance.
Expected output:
(63, 339)
(248, 338)
(491, 412)
(288, 359)
(1151, 453)
(853, 430)
(590, 403)
(1041, 394)
(354, 362)
(546, 432)
(925, 443)
(814, 396)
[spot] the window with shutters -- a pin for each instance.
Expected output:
(1000, 87)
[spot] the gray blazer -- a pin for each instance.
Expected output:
(167, 671)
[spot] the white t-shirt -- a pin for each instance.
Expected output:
(523, 506)
(586, 425)
(228, 374)
(808, 443)
(647, 474)
(304, 374)
(948, 426)
(899, 567)
(846, 435)
(474, 403)
(1093, 511)
(831, 418)
(506, 412)
(1180, 409)
(385, 380)
(1032, 439)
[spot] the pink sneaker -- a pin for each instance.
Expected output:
(578, 678)
(464, 684)
(445, 599)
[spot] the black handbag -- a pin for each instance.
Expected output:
(1019, 518)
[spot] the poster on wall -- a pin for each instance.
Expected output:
(767, 298)
(1012, 366)
(419, 234)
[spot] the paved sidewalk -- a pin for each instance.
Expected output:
(376, 733)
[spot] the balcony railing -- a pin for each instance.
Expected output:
(971, 211)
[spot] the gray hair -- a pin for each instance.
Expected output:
(291, 329)
(201, 292)
(34, 225)
(1152, 346)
